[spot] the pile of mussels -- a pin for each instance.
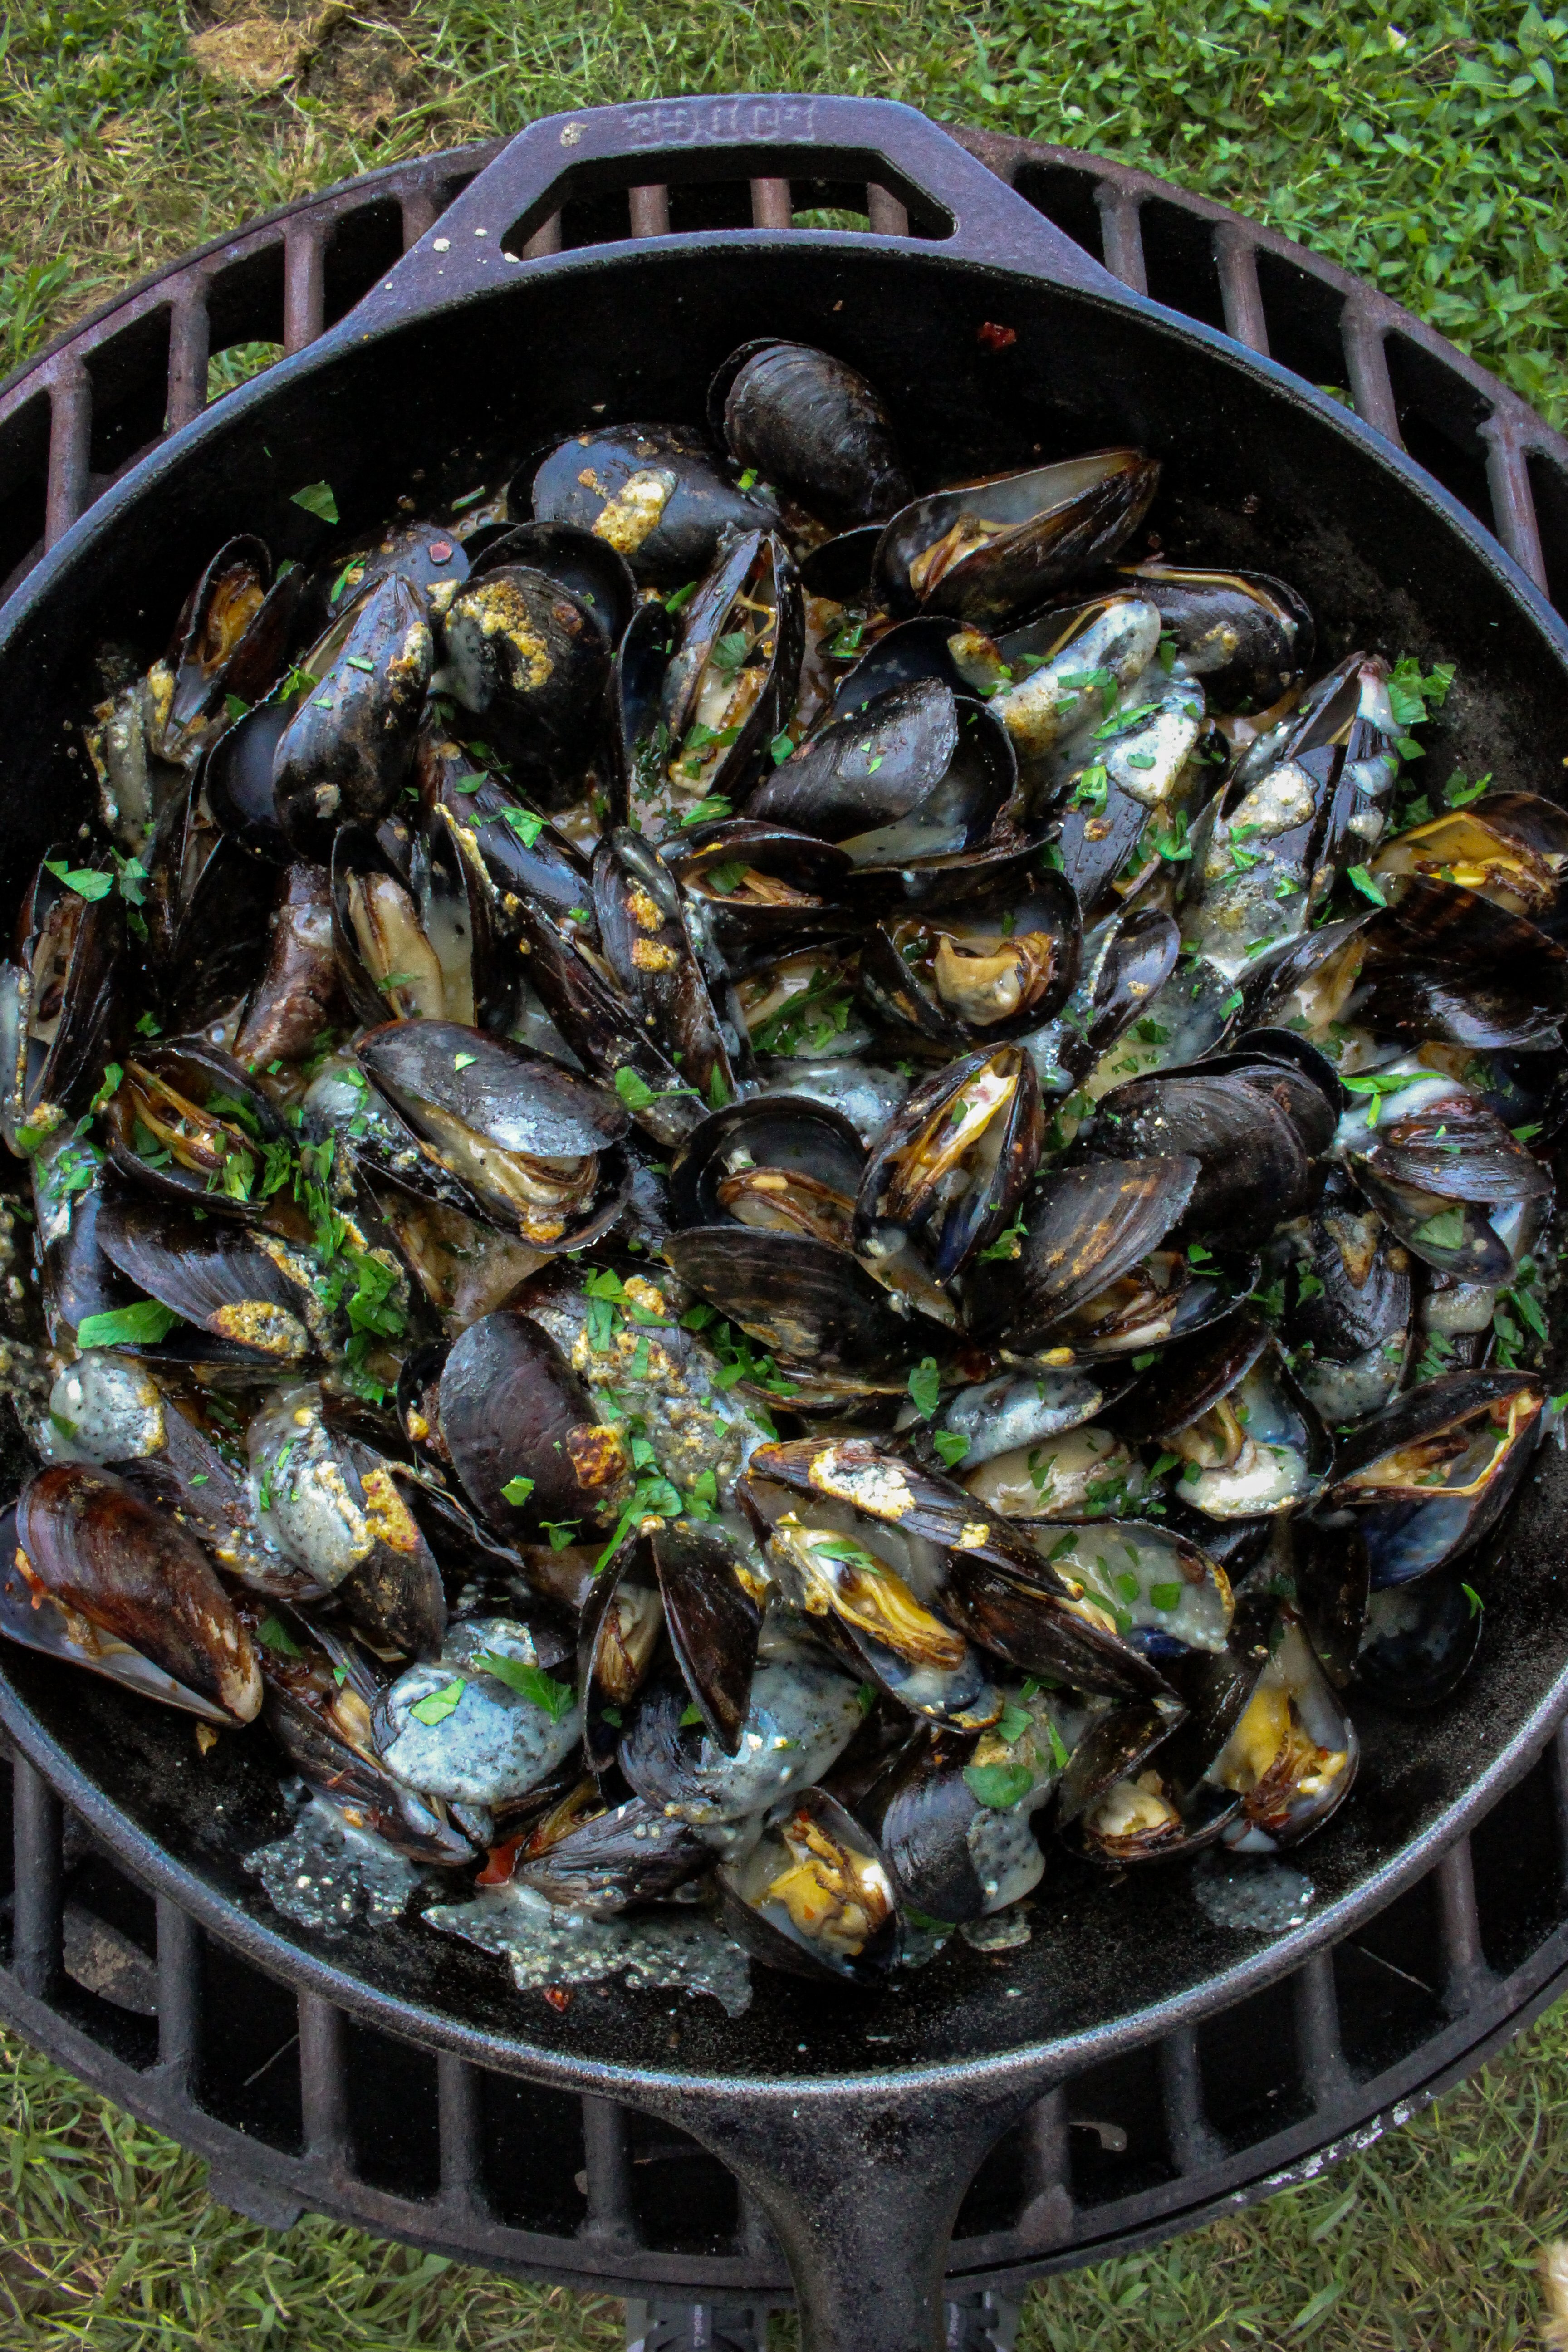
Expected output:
(747, 1184)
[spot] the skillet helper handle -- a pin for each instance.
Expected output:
(862, 2188)
(507, 220)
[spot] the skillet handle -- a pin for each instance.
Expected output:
(959, 209)
(862, 2186)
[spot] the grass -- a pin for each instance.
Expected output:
(1422, 148)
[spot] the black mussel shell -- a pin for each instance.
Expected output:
(652, 492)
(1452, 1146)
(1420, 1003)
(602, 1029)
(920, 1812)
(1085, 1227)
(1431, 1473)
(395, 1594)
(208, 908)
(1253, 1444)
(1113, 1749)
(1137, 954)
(346, 750)
(134, 1572)
(512, 1413)
(619, 1642)
(1441, 926)
(1245, 635)
(58, 1002)
(531, 665)
(733, 676)
(813, 1897)
(77, 1280)
(917, 774)
(428, 555)
(236, 777)
(1293, 1755)
(648, 948)
(415, 944)
(1329, 1581)
(1419, 1640)
(631, 1854)
(924, 648)
(777, 1161)
(871, 1478)
(713, 1617)
(985, 550)
(254, 1296)
(296, 996)
(533, 1145)
(187, 1122)
(953, 1164)
(1359, 1292)
(840, 570)
(812, 425)
(230, 639)
(1253, 1172)
(523, 855)
(1306, 983)
(1508, 847)
(804, 1299)
(760, 887)
(993, 966)
(583, 563)
(1018, 1616)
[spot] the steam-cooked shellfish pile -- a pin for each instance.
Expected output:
(753, 1186)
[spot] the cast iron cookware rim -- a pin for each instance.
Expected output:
(990, 220)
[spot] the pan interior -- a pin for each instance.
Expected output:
(1255, 475)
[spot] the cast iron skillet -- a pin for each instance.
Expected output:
(857, 2122)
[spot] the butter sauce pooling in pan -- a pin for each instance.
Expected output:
(755, 1187)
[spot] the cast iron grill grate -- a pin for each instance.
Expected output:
(299, 2108)
(296, 2106)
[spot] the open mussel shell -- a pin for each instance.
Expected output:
(132, 1571)
(1057, 676)
(1013, 1412)
(954, 1162)
(918, 773)
(296, 996)
(1293, 1754)
(814, 1896)
(1441, 926)
(511, 1412)
(534, 1146)
(77, 1280)
(1124, 964)
(347, 749)
(1248, 636)
(1128, 1796)
(648, 948)
(871, 1477)
(654, 493)
(735, 673)
(1419, 1640)
(618, 1859)
(620, 1636)
(989, 968)
(428, 555)
(1433, 1136)
(879, 1598)
(1254, 1170)
(498, 1739)
(1027, 1618)
(321, 1695)
(713, 1616)
(1305, 984)
(806, 1300)
(1164, 1593)
(252, 1298)
(985, 550)
(921, 1813)
(1431, 1473)
(36, 1620)
(760, 888)
(814, 426)
(1253, 1445)
(236, 777)
(207, 905)
(415, 944)
(230, 639)
(803, 1713)
(593, 1017)
(1348, 1305)
(774, 1161)
(1085, 1228)
(56, 1003)
(187, 1122)
(530, 663)
(524, 857)
(1511, 848)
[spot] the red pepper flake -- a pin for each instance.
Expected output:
(558, 1997)
(441, 551)
(500, 1865)
(993, 338)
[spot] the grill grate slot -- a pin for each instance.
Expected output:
(247, 2073)
(393, 2112)
(1386, 1991)
(684, 2201)
(129, 371)
(362, 246)
(1180, 260)
(1118, 2143)
(1547, 482)
(531, 2151)
(1440, 416)
(1065, 193)
(1303, 318)
(1250, 2071)
(24, 481)
(1516, 1859)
